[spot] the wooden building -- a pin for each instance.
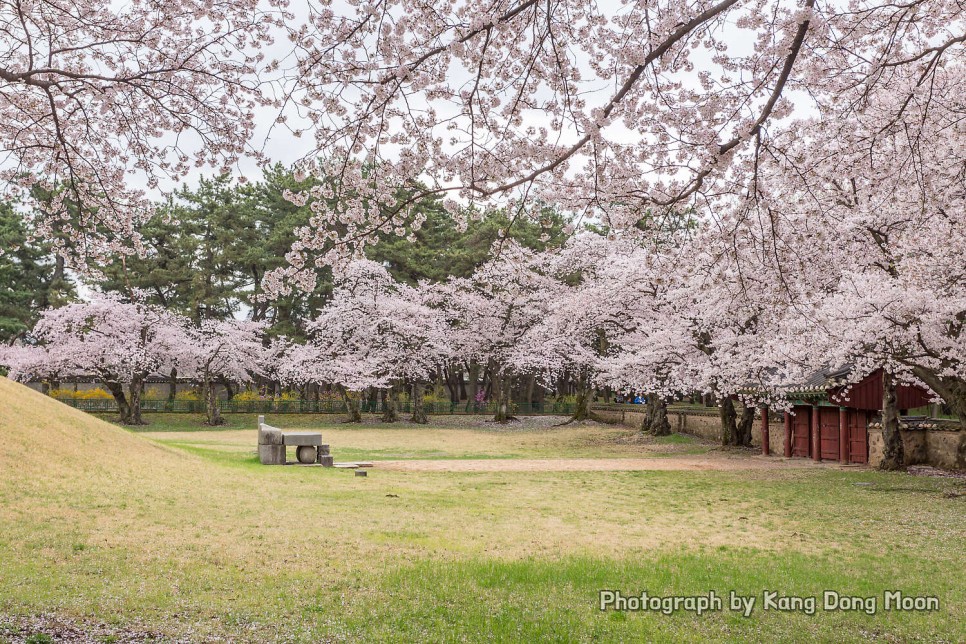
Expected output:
(830, 421)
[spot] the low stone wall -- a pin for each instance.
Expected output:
(941, 445)
(705, 424)
(632, 417)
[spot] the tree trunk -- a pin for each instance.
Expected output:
(351, 406)
(123, 409)
(173, 385)
(419, 412)
(390, 406)
(582, 407)
(729, 430)
(136, 388)
(648, 416)
(744, 425)
(892, 456)
(452, 384)
(655, 417)
(212, 413)
(563, 383)
(501, 389)
(474, 378)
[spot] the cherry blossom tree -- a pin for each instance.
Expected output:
(374, 333)
(614, 110)
(847, 246)
(575, 331)
(119, 342)
(489, 314)
(666, 318)
(831, 120)
(96, 96)
(225, 350)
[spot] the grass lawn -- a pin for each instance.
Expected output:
(180, 532)
(374, 441)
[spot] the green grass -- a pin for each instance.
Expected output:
(198, 540)
(795, 533)
(675, 439)
(798, 534)
(358, 442)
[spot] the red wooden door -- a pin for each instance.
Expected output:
(858, 436)
(800, 431)
(828, 420)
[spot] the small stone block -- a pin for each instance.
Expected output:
(324, 450)
(362, 473)
(326, 460)
(270, 437)
(271, 454)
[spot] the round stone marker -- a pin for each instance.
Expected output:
(305, 454)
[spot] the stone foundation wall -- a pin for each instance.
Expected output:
(943, 446)
(940, 444)
(705, 424)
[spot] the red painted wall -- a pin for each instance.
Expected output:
(867, 395)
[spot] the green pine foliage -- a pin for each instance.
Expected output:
(209, 248)
(441, 250)
(31, 277)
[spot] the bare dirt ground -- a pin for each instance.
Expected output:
(709, 462)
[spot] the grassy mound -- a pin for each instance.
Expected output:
(40, 436)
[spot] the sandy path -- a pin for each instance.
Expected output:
(685, 463)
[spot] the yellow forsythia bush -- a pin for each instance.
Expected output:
(81, 394)
(249, 395)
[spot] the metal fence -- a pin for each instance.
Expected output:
(317, 407)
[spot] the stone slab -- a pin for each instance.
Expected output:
(270, 437)
(302, 438)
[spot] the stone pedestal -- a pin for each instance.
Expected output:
(271, 454)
